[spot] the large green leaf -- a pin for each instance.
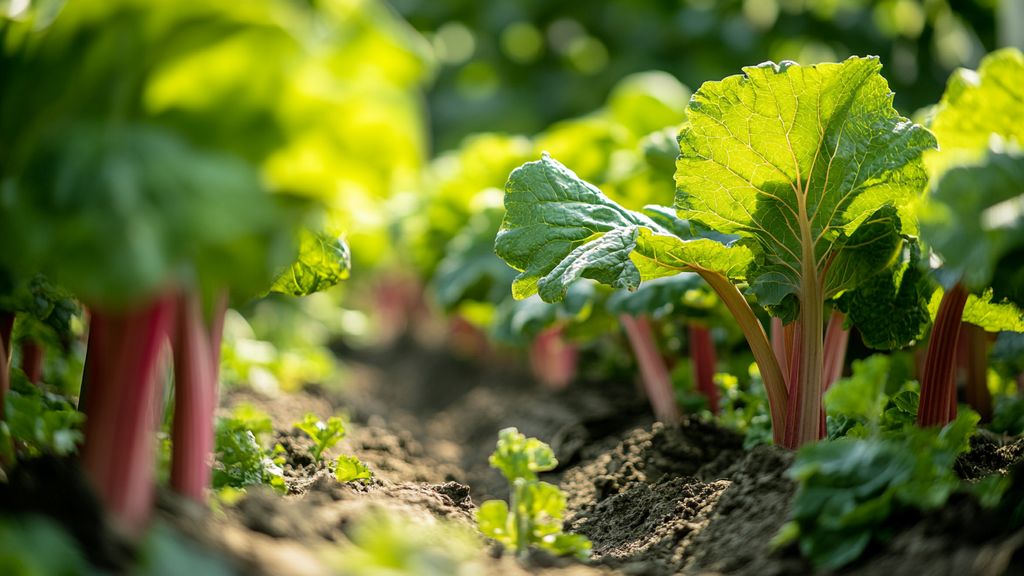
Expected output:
(558, 229)
(976, 218)
(797, 158)
(978, 104)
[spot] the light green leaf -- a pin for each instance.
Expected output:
(978, 104)
(797, 158)
(323, 261)
(975, 218)
(492, 518)
(984, 313)
(558, 229)
(349, 468)
(517, 456)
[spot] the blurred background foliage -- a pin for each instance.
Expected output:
(403, 119)
(520, 65)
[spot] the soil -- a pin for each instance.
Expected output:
(654, 499)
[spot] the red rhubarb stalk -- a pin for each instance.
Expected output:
(973, 349)
(837, 339)
(32, 352)
(938, 390)
(195, 395)
(653, 373)
(702, 355)
(122, 374)
(553, 360)
(6, 327)
(757, 339)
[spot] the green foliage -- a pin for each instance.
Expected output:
(876, 398)
(38, 546)
(349, 468)
(558, 228)
(240, 458)
(850, 487)
(324, 434)
(890, 308)
(744, 407)
(533, 516)
(38, 422)
(797, 160)
(517, 456)
(390, 542)
(323, 261)
(982, 311)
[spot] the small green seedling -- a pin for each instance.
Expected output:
(324, 434)
(327, 434)
(241, 459)
(349, 468)
(533, 516)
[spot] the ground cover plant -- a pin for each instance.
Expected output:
(261, 313)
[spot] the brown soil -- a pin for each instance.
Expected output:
(654, 499)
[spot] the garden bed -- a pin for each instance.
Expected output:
(654, 499)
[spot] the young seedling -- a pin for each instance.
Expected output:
(533, 514)
(324, 434)
(327, 434)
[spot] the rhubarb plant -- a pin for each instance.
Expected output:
(533, 514)
(973, 221)
(810, 170)
(327, 434)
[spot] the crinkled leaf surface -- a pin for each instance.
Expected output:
(796, 156)
(890, 308)
(984, 312)
(558, 229)
(323, 261)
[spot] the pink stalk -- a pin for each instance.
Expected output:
(6, 327)
(938, 390)
(553, 360)
(656, 380)
(195, 400)
(781, 345)
(702, 354)
(836, 340)
(973, 349)
(117, 456)
(32, 353)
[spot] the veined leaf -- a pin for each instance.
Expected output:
(558, 229)
(323, 261)
(797, 158)
(978, 104)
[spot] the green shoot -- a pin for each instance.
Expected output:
(324, 434)
(533, 516)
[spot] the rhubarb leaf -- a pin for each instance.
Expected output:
(796, 159)
(469, 269)
(984, 312)
(890, 308)
(978, 104)
(558, 229)
(324, 260)
(976, 218)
